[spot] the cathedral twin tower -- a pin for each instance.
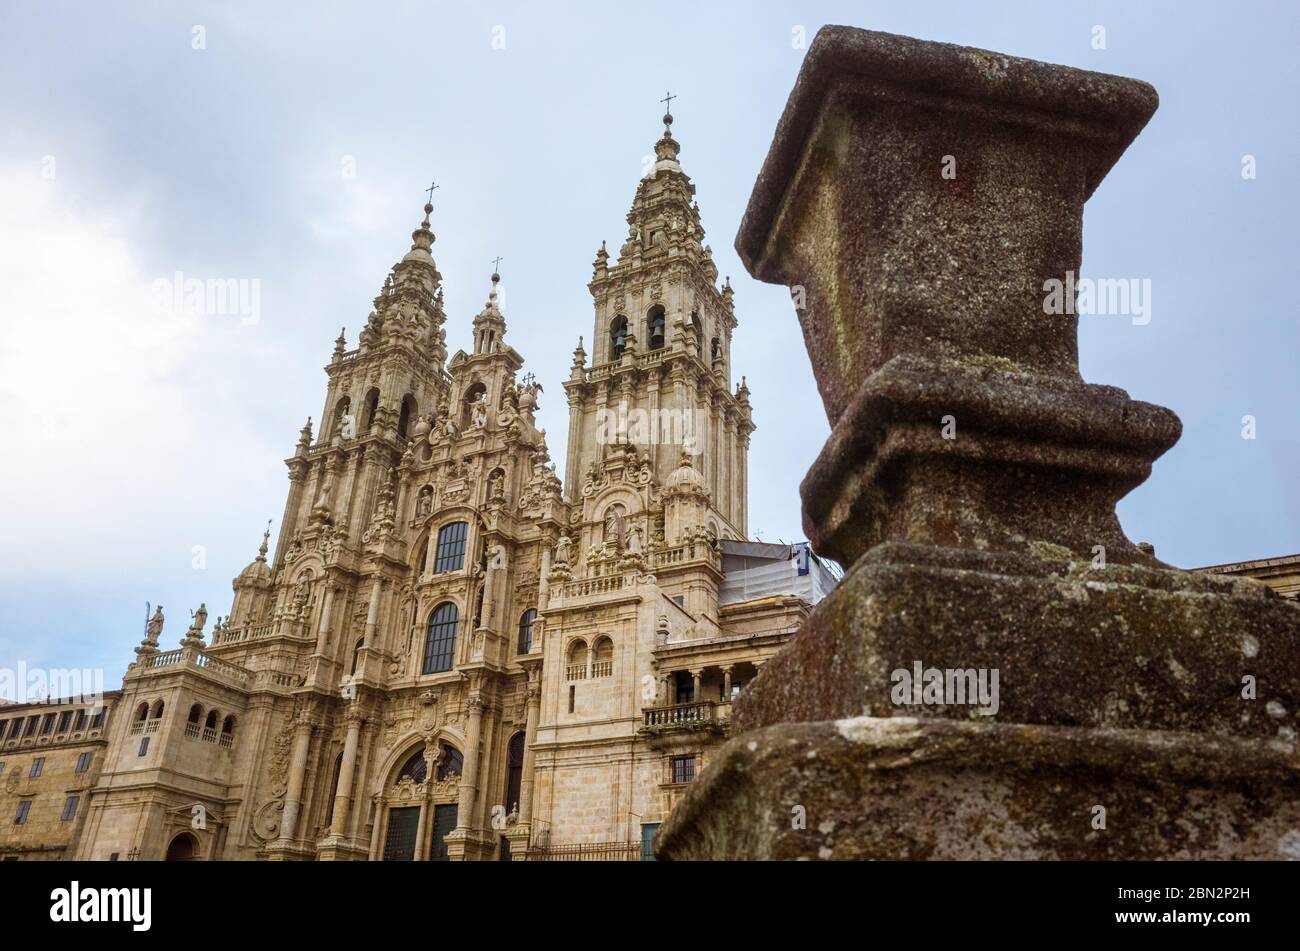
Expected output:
(452, 653)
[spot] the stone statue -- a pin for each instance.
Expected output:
(424, 504)
(449, 428)
(155, 625)
(478, 411)
(497, 486)
(563, 550)
(634, 540)
(200, 619)
(349, 428)
(614, 526)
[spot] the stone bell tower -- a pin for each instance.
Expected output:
(660, 379)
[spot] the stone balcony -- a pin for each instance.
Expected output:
(706, 715)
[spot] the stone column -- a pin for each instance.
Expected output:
(469, 780)
(530, 737)
(696, 676)
(323, 631)
(726, 683)
(376, 843)
(928, 199)
(372, 612)
(297, 773)
(343, 795)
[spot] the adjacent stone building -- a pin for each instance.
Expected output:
(452, 653)
(51, 755)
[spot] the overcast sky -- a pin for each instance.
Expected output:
(126, 155)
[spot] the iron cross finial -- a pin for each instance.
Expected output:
(431, 189)
(668, 101)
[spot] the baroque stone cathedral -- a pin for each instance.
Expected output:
(453, 654)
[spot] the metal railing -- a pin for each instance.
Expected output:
(588, 852)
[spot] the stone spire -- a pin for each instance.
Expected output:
(490, 324)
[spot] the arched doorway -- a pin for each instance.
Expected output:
(182, 849)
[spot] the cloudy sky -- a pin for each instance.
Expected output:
(145, 448)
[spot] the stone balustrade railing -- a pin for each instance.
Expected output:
(680, 714)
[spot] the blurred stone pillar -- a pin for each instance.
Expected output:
(921, 200)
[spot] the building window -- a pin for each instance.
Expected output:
(31, 725)
(38, 765)
(450, 554)
(80, 723)
(648, 830)
(70, 808)
(514, 771)
(573, 695)
(602, 657)
(656, 321)
(24, 807)
(683, 768)
(617, 336)
(440, 644)
(65, 721)
(526, 631)
(97, 721)
(47, 725)
(144, 746)
(83, 762)
(451, 764)
(685, 686)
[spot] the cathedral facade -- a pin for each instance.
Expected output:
(454, 652)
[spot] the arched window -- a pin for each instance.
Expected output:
(602, 657)
(409, 412)
(372, 407)
(211, 722)
(157, 710)
(526, 631)
(142, 711)
(576, 668)
(655, 321)
(450, 555)
(451, 764)
(228, 724)
(514, 771)
(617, 336)
(440, 644)
(415, 768)
(196, 714)
(356, 654)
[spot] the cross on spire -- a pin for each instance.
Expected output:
(431, 189)
(667, 100)
(496, 263)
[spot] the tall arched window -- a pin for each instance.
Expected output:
(617, 336)
(602, 657)
(440, 644)
(356, 654)
(655, 321)
(372, 407)
(526, 631)
(715, 350)
(157, 710)
(514, 771)
(450, 555)
(408, 414)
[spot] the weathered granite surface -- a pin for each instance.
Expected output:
(970, 482)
